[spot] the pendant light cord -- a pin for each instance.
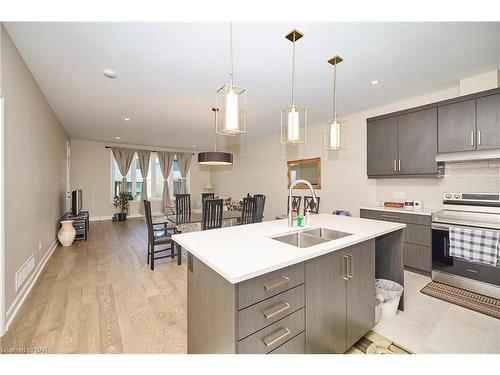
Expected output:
(293, 71)
(215, 126)
(231, 54)
(335, 91)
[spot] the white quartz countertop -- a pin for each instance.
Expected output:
(242, 252)
(426, 212)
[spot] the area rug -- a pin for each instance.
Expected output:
(469, 300)
(373, 343)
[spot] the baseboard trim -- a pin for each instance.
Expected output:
(28, 285)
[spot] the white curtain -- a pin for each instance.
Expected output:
(166, 161)
(184, 161)
(143, 156)
(123, 157)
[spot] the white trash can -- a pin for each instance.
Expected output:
(391, 293)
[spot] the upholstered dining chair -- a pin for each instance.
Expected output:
(249, 211)
(182, 208)
(212, 214)
(309, 204)
(261, 202)
(159, 237)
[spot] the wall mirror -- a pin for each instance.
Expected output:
(305, 169)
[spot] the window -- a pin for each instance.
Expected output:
(154, 178)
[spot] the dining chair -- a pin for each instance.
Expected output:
(205, 196)
(212, 214)
(261, 202)
(248, 212)
(182, 208)
(295, 204)
(309, 203)
(160, 237)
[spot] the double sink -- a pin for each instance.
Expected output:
(310, 237)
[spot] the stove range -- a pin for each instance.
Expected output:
(477, 210)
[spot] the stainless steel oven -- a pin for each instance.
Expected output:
(465, 210)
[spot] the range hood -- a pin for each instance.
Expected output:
(452, 157)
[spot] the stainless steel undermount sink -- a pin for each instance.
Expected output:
(300, 239)
(310, 237)
(326, 233)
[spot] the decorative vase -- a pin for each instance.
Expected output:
(67, 233)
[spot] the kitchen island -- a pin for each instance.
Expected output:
(268, 288)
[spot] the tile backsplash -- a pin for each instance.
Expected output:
(470, 176)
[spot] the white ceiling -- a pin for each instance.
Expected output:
(168, 72)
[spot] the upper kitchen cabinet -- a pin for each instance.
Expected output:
(382, 147)
(488, 122)
(417, 143)
(405, 145)
(457, 127)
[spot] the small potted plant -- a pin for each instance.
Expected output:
(122, 200)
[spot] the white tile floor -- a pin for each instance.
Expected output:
(429, 325)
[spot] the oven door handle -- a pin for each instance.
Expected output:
(443, 227)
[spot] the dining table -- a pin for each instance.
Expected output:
(192, 222)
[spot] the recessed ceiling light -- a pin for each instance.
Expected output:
(117, 137)
(110, 73)
(374, 82)
(126, 119)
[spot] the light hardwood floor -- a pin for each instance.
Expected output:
(101, 297)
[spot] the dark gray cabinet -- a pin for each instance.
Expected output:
(417, 142)
(340, 298)
(488, 122)
(403, 145)
(382, 145)
(457, 127)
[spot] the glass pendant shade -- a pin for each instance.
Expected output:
(232, 101)
(334, 135)
(293, 125)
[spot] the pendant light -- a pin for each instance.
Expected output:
(293, 118)
(333, 128)
(215, 157)
(234, 101)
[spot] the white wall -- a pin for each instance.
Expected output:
(260, 167)
(91, 172)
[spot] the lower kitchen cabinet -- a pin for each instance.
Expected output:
(340, 298)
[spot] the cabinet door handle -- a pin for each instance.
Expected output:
(344, 268)
(395, 169)
(268, 341)
(399, 165)
(390, 217)
(472, 138)
(479, 137)
(282, 281)
(349, 274)
(284, 306)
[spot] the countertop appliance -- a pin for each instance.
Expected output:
(476, 210)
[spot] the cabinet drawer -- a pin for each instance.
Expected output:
(398, 217)
(272, 283)
(297, 345)
(418, 235)
(269, 311)
(418, 257)
(271, 337)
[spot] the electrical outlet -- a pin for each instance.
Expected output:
(39, 245)
(24, 272)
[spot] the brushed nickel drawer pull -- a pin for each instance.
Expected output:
(349, 274)
(399, 165)
(479, 137)
(284, 306)
(472, 138)
(269, 342)
(395, 169)
(344, 271)
(391, 217)
(282, 281)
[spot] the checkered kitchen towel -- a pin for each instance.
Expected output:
(476, 245)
